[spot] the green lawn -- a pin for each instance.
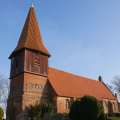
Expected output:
(115, 118)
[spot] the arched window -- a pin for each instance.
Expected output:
(110, 107)
(68, 103)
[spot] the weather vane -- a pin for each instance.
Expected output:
(32, 3)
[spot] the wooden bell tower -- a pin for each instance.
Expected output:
(29, 68)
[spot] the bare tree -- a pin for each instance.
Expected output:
(4, 89)
(116, 84)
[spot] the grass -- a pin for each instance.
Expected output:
(115, 118)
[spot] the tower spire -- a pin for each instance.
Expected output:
(30, 37)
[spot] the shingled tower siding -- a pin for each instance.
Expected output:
(29, 69)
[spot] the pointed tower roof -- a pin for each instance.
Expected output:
(30, 37)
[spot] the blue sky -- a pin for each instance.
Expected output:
(83, 36)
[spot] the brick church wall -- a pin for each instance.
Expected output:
(34, 89)
(63, 104)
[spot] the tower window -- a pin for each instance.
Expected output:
(16, 63)
(12, 61)
(36, 59)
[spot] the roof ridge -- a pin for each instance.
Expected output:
(76, 75)
(107, 88)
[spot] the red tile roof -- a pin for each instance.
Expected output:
(30, 37)
(70, 85)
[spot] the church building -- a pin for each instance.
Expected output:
(33, 80)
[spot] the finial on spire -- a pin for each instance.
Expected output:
(100, 78)
(32, 5)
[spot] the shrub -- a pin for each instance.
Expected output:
(57, 117)
(38, 111)
(1, 113)
(114, 114)
(88, 108)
